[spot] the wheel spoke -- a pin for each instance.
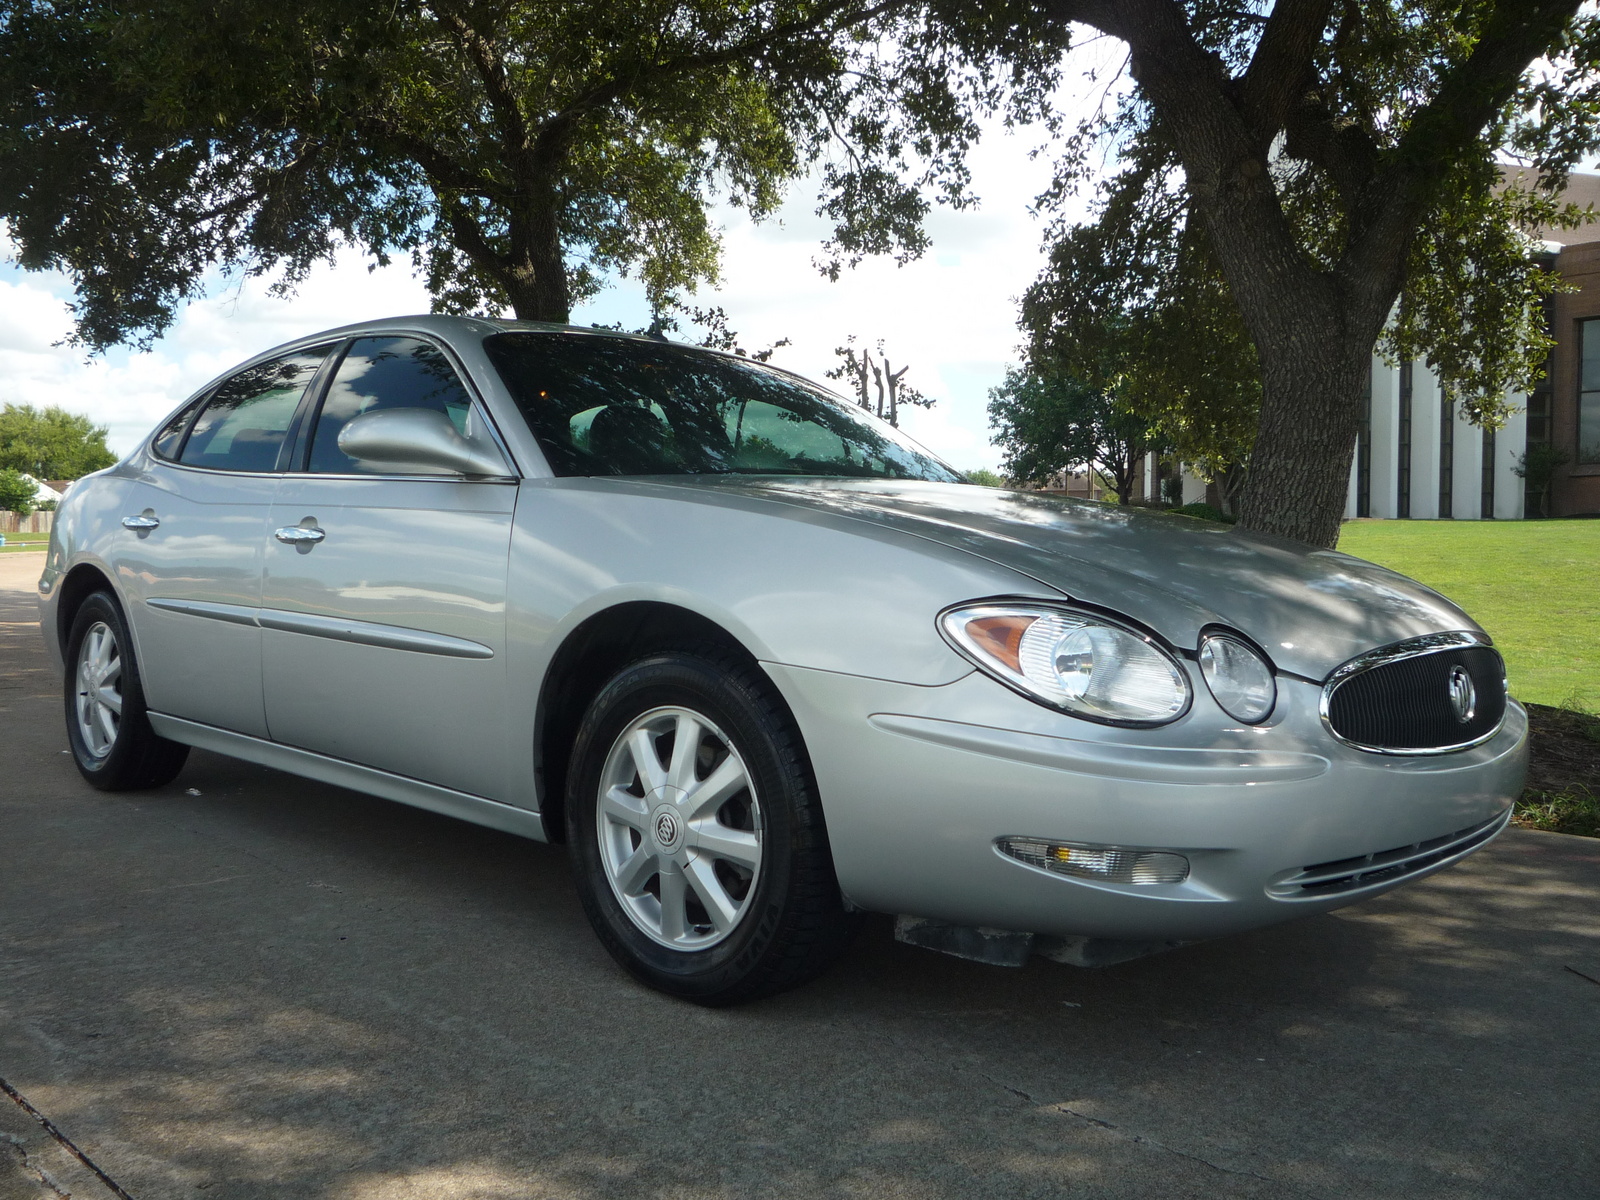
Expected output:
(635, 872)
(714, 790)
(685, 747)
(109, 698)
(112, 671)
(721, 907)
(674, 923)
(642, 745)
(737, 846)
(108, 727)
(625, 808)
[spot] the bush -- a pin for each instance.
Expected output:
(985, 478)
(16, 492)
(1205, 512)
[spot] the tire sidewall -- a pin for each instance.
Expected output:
(699, 684)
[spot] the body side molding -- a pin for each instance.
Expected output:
(341, 629)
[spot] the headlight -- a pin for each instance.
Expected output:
(1084, 664)
(1238, 677)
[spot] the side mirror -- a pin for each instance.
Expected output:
(416, 441)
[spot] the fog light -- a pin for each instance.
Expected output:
(1112, 864)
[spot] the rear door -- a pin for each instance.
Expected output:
(190, 554)
(384, 595)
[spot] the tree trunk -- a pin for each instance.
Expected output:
(535, 277)
(1300, 468)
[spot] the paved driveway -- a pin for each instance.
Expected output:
(249, 985)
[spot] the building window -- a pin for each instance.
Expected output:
(1487, 510)
(1447, 453)
(1589, 395)
(1403, 452)
(1364, 453)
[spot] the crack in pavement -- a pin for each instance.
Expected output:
(38, 1173)
(1129, 1135)
(64, 1140)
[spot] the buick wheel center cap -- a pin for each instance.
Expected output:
(1463, 696)
(667, 826)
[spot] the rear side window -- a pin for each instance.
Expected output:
(380, 373)
(170, 436)
(243, 427)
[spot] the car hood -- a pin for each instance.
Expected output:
(1310, 609)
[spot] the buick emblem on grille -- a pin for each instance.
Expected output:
(1463, 696)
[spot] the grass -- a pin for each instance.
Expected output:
(22, 542)
(1534, 585)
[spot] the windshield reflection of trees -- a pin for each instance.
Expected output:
(614, 406)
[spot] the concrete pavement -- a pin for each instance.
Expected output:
(249, 985)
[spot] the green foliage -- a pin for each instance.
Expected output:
(519, 153)
(51, 443)
(16, 492)
(1574, 810)
(1046, 422)
(1538, 465)
(1205, 512)
(983, 477)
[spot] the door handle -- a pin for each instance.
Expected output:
(142, 522)
(300, 535)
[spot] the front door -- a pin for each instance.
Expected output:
(190, 554)
(384, 596)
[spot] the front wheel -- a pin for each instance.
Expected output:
(107, 724)
(702, 859)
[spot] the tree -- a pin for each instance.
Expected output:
(1134, 304)
(16, 492)
(1337, 156)
(983, 477)
(878, 387)
(1538, 466)
(519, 152)
(51, 443)
(1048, 421)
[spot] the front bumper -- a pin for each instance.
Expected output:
(918, 783)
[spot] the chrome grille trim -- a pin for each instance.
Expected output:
(1431, 643)
(1384, 866)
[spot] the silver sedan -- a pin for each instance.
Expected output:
(759, 660)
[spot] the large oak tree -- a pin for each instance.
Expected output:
(520, 150)
(1336, 155)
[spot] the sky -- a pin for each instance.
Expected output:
(950, 316)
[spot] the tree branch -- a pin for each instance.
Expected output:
(1281, 68)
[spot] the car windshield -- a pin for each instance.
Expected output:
(620, 406)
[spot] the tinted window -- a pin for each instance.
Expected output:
(170, 436)
(616, 406)
(243, 426)
(388, 372)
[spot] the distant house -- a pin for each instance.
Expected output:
(48, 493)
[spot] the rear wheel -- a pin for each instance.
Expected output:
(702, 858)
(108, 726)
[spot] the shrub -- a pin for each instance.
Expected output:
(16, 492)
(1205, 512)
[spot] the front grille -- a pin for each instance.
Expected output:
(1401, 700)
(1383, 866)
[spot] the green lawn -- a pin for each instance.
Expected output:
(1534, 585)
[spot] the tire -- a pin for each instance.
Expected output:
(116, 751)
(718, 906)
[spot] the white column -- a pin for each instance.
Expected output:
(1509, 445)
(1350, 508)
(1384, 485)
(1466, 482)
(1424, 442)
(1152, 486)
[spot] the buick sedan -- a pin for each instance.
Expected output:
(758, 659)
